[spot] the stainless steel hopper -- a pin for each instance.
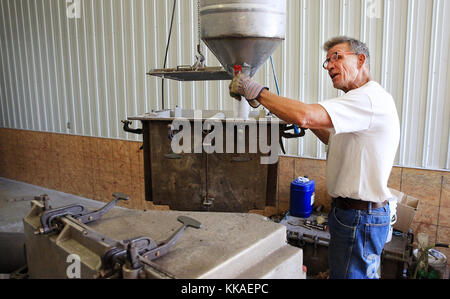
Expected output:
(238, 32)
(243, 32)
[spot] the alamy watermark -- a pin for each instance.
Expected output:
(231, 136)
(374, 9)
(373, 268)
(73, 9)
(73, 271)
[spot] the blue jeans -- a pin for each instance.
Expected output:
(357, 241)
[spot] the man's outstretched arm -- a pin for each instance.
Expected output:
(307, 116)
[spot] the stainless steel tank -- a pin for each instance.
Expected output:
(243, 32)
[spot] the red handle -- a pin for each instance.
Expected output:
(237, 69)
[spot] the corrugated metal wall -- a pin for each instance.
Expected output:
(79, 66)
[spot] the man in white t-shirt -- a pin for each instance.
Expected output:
(362, 131)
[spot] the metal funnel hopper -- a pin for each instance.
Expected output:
(249, 52)
(243, 32)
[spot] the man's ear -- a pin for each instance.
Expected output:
(361, 60)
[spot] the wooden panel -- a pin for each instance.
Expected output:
(315, 170)
(427, 214)
(422, 184)
(444, 237)
(285, 177)
(444, 217)
(395, 178)
(445, 196)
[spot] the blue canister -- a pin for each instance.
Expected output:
(302, 197)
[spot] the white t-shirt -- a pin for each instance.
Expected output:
(363, 143)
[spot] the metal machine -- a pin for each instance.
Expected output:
(197, 180)
(73, 242)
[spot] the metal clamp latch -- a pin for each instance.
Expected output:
(49, 218)
(133, 254)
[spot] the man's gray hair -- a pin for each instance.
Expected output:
(356, 46)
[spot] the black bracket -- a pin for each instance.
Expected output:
(126, 128)
(284, 133)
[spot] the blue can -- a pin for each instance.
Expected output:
(302, 197)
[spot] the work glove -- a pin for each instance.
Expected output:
(243, 85)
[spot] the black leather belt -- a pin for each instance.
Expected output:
(356, 204)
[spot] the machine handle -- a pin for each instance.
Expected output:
(287, 135)
(126, 128)
(173, 156)
(240, 159)
(237, 69)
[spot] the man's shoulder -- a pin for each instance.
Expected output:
(374, 89)
(370, 86)
(369, 92)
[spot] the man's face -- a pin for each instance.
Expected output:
(343, 71)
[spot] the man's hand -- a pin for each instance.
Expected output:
(242, 85)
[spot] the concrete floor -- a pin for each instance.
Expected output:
(15, 198)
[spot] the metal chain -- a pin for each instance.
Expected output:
(198, 23)
(200, 58)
